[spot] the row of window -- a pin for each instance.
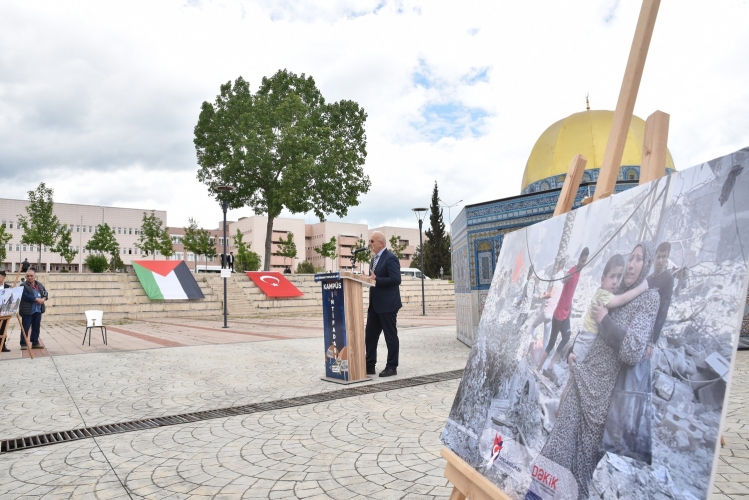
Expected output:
(178, 239)
(77, 228)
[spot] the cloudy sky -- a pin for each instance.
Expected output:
(99, 99)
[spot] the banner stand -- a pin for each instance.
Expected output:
(343, 323)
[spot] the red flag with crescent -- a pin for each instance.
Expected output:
(274, 284)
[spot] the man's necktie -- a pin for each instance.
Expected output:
(374, 262)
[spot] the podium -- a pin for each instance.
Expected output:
(343, 321)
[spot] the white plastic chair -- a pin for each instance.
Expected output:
(94, 320)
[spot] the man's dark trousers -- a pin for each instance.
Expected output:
(32, 324)
(376, 323)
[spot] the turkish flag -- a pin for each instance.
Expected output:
(273, 284)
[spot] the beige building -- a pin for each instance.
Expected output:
(347, 237)
(255, 228)
(82, 221)
(126, 222)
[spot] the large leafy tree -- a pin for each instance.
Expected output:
(40, 225)
(103, 240)
(328, 250)
(152, 236)
(437, 245)
(199, 241)
(287, 248)
(397, 247)
(247, 260)
(64, 245)
(282, 147)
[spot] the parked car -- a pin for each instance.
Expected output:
(413, 273)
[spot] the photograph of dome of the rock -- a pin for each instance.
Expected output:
(602, 362)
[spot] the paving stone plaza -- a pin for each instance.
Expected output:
(379, 445)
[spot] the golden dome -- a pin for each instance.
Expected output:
(583, 133)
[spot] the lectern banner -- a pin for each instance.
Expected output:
(334, 322)
(624, 395)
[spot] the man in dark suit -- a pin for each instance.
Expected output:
(384, 302)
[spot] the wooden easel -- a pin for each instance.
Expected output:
(467, 481)
(5, 319)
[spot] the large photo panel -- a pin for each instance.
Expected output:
(604, 354)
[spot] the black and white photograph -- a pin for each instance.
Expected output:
(604, 353)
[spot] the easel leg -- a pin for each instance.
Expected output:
(3, 332)
(457, 495)
(25, 336)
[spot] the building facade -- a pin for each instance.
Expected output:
(82, 221)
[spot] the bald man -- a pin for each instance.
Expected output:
(384, 302)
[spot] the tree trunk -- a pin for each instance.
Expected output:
(268, 241)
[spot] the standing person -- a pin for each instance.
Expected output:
(560, 321)
(231, 261)
(31, 309)
(554, 291)
(384, 302)
(3, 284)
(663, 281)
(575, 440)
(25, 265)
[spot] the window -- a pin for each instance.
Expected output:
(129, 251)
(119, 230)
(10, 247)
(130, 230)
(84, 229)
(18, 247)
(77, 229)
(24, 248)
(89, 229)
(11, 225)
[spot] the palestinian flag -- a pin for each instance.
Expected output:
(167, 280)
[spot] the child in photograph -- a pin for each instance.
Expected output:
(612, 276)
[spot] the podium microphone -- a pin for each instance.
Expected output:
(360, 250)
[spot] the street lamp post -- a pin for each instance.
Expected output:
(224, 207)
(420, 214)
(450, 220)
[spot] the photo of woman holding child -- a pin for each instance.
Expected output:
(622, 339)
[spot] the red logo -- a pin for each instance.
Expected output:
(544, 477)
(496, 448)
(497, 445)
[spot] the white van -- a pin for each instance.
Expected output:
(411, 272)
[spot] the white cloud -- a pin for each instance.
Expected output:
(99, 99)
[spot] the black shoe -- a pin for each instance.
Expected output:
(23, 347)
(371, 371)
(388, 372)
(37, 346)
(5, 348)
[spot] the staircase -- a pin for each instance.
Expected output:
(121, 296)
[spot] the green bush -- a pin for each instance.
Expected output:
(63, 270)
(305, 267)
(96, 262)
